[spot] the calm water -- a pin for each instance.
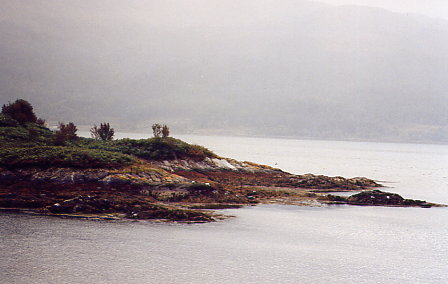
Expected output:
(262, 244)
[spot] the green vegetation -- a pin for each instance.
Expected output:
(25, 143)
(155, 148)
(57, 156)
(29, 135)
(66, 132)
(6, 121)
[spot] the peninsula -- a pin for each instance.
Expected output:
(160, 178)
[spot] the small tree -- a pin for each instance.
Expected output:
(157, 130)
(165, 131)
(20, 110)
(66, 132)
(104, 132)
(41, 122)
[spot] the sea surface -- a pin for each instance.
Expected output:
(261, 244)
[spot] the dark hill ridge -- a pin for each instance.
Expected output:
(157, 178)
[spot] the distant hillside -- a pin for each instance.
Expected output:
(285, 68)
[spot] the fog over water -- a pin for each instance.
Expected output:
(271, 68)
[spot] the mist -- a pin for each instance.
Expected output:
(267, 68)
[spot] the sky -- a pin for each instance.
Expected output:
(253, 67)
(432, 8)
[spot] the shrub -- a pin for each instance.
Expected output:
(41, 122)
(165, 131)
(104, 132)
(157, 130)
(20, 110)
(66, 132)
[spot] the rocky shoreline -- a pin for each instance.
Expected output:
(60, 174)
(176, 190)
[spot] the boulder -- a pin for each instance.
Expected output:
(381, 198)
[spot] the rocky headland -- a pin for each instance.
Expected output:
(175, 190)
(157, 178)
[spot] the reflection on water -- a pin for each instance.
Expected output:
(262, 244)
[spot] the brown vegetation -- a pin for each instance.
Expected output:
(20, 110)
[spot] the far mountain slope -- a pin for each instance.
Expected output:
(293, 68)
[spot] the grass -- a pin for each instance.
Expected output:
(25, 136)
(56, 156)
(6, 121)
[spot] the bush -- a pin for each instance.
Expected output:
(163, 149)
(165, 131)
(66, 132)
(41, 122)
(104, 132)
(20, 110)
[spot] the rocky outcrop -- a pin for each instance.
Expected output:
(146, 176)
(175, 215)
(14, 200)
(378, 198)
(186, 172)
(246, 173)
(132, 210)
(381, 198)
(277, 178)
(213, 164)
(83, 204)
(144, 189)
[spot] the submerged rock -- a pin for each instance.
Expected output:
(173, 215)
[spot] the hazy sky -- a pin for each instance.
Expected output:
(433, 8)
(252, 67)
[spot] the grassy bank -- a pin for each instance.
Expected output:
(30, 144)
